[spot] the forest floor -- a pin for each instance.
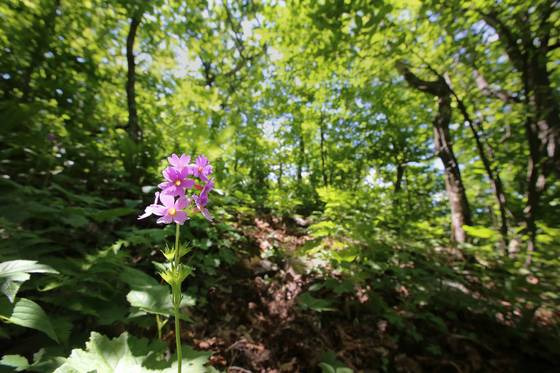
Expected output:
(252, 323)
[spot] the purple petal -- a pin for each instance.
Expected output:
(181, 203)
(159, 210)
(173, 160)
(207, 187)
(180, 217)
(184, 160)
(167, 200)
(188, 183)
(170, 174)
(146, 213)
(183, 173)
(201, 161)
(206, 214)
(166, 219)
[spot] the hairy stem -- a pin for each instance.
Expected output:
(176, 303)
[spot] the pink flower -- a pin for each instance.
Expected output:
(171, 210)
(200, 202)
(176, 181)
(201, 169)
(150, 208)
(179, 163)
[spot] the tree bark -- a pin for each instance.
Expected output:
(322, 147)
(301, 157)
(460, 210)
(400, 174)
(542, 125)
(133, 127)
(493, 173)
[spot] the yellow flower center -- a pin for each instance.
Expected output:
(178, 182)
(172, 211)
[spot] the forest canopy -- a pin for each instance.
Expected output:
(376, 189)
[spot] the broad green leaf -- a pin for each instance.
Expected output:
(157, 300)
(105, 215)
(13, 273)
(480, 231)
(307, 301)
(17, 270)
(330, 364)
(131, 355)
(25, 312)
(18, 362)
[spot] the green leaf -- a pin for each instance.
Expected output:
(330, 364)
(25, 312)
(307, 301)
(480, 231)
(13, 273)
(18, 362)
(156, 300)
(130, 354)
(17, 270)
(105, 215)
(10, 289)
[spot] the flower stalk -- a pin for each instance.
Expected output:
(185, 191)
(176, 290)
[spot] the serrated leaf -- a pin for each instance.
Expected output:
(129, 354)
(25, 312)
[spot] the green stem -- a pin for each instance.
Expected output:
(159, 326)
(176, 303)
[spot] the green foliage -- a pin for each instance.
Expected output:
(307, 301)
(14, 273)
(330, 364)
(309, 126)
(25, 312)
(129, 354)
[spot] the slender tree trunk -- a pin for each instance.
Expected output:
(460, 210)
(133, 127)
(280, 174)
(301, 157)
(493, 174)
(399, 178)
(322, 147)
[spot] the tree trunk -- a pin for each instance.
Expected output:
(280, 174)
(400, 174)
(460, 211)
(301, 157)
(322, 147)
(542, 126)
(493, 174)
(133, 127)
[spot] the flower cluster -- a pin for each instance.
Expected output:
(173, 200)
